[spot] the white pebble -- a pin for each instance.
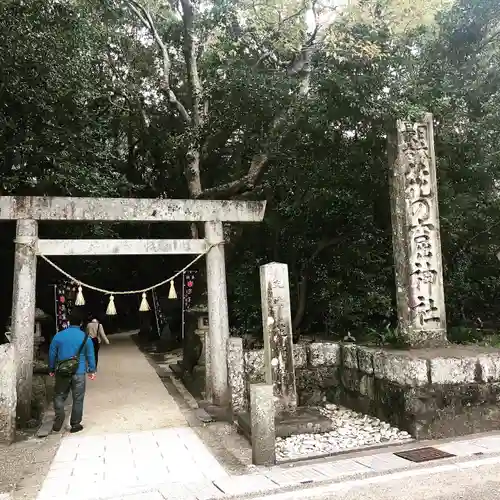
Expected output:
(351, 430)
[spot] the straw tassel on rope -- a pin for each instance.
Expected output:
(80, 300)
(111, 310)
(172, 294)
(144, 307)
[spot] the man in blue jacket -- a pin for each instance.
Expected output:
(65, 345)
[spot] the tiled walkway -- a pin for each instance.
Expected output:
(381, 462)
(135, 437)
(116, 465)
(173, 464)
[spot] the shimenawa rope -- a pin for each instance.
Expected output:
(111, 310)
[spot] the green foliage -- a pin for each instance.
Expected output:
(84, 113)
(54, 103)
(464, 335)
(386, 336)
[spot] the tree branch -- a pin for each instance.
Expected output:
(145, 17)
(302, 289)
(301, 68)
(242, 185)
(191, 62)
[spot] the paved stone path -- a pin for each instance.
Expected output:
(468, 476)
(135, 436)
(117, 465)
(173, 464)
(127, 394)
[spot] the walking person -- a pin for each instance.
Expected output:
(95, 331)
(71, 357)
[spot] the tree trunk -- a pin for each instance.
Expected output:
(192, 172)
(303, 285)
(301, 302)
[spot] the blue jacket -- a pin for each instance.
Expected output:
(65, 345)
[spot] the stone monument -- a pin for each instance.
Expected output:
(416, 238)
(38, 338)
(277, 328)
(279, 361)
(433, 389)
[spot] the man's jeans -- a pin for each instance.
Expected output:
(96, 350)
(63, 385)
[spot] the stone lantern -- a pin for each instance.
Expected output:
(38, 339)
(202, 327)
(196, 329)
(40, 316)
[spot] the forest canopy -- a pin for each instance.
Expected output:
(283, 100)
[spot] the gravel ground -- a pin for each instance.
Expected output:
(23, 465)
(351, 431)
(13, 461)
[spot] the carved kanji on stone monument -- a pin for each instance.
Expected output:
(277, 327)
(416, 238)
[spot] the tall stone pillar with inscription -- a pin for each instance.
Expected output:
(278, 342)
(415, 234)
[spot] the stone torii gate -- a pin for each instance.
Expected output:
(29, 210)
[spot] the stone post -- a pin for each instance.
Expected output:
(262, 415)
(236, 374)
(23, 313)
(7, 394)
(216, 347)
(415, 234)
(278, 342)
(208, 369)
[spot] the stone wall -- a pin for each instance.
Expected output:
(43, 390)
(42, 394)
(430, 393)
(316, 372)
(8, 395)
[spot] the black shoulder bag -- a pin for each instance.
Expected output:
(69, 367)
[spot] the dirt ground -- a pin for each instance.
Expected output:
(24, 464)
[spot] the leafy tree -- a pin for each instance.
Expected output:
(286, 101)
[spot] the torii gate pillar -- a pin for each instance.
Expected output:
(217, 389)
(23, 313)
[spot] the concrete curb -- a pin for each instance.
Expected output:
(321, 489)
(313, 489)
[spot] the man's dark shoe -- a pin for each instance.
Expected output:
(57, 426)
(76, 428)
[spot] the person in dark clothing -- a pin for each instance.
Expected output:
(95, 331)
(65, 345)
